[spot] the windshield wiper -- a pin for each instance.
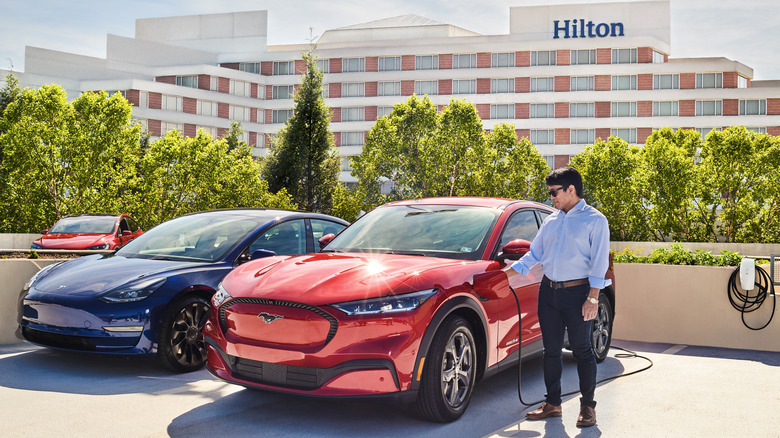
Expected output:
(411, 253)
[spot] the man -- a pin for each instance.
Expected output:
(573, 247)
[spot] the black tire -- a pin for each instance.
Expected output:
(449, 372)
(601, 333)
(181, 347)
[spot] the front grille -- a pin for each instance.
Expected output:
(223, 324)
(276, 375)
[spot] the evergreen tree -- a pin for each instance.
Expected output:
(304, 160)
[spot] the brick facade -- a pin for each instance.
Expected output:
(603, 109)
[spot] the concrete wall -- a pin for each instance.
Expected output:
(17, 241)
(14, 273)
(687, 305)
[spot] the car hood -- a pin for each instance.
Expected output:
(331, 278)
(70, 240)
(100, 273)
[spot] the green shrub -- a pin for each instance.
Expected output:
(676, 254)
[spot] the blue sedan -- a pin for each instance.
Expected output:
(152, 296)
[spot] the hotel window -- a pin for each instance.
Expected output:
(658, 57)
(207, 108)
(172, 103)
(464, 86)
(325, 91)
(709, 80)
(752, 107)
(389, 88)
(582, 83)
(383, 111)
(761, 130)
(323, 65)
(628, 134)
(240, 88)
(544, 57)
(261, 91)
(353, 65)
(281, 116)
(582, 109)
(502, 111)
(661, 109)
(214, 83)
(260, 116)
(582, 136)
(353, 114)
(169, 126)
(429, 62)
(352, 138)
(627, 82)
(542, 136)
(464, 61)
(390, 63)
(624, 56)
(282, 91)
(187, 81)
(210, 130)
(251, 67)
(623, 109)
(704, 131)
(239, 113)
(550, 160)
(284, 68)
(542, 84)
(579, 57)
(542, 110)
(742, 82)
(345, 167)
(666, 82)
(143, 99)
(709, 107)
(353, 89)
(502, 60)
(426, 87)
(502, 85)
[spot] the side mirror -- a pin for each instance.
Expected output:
(325, 240)
(261, 253)
(127, 233)
(514, 250)
(44, 231)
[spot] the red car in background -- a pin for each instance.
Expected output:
(89, 232)
(408, 302)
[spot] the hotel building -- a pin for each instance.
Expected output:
(564, 75)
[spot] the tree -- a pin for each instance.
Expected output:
(303, 160)
(672, 185)
(9, 92)
(64, 158)
(609, 171)
(185, 175)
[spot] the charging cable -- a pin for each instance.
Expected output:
(627, 354)
(742, 300)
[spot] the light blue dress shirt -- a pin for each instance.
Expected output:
(571, 246)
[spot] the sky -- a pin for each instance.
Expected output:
(744, 31)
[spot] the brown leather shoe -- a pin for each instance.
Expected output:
(587, 417)
(544, 411)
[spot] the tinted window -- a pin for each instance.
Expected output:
(321, 228)
(522, 225)
(287, 238)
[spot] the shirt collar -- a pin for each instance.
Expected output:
(579, 206)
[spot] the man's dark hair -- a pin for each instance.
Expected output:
(565, 176)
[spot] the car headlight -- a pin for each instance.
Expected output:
(38, 275)
(220, 296)
(388, 304)
(98, 247)
(35, 246)
(133, 292)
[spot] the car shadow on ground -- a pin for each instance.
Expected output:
(41, 369)
(494, 404)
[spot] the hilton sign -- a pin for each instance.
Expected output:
(579, 28)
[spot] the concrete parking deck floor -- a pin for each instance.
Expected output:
(689, 392)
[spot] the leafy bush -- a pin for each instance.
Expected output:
(676, 254)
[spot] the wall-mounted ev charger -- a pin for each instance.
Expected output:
(747, 274)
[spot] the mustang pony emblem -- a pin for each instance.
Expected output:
(268, 318)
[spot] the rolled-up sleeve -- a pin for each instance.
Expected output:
(599, 254)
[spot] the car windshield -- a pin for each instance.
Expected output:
(450, 231)
(85, 225)
(198, 237)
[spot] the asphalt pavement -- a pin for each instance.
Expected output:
(688, 392)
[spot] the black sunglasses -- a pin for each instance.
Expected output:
(554, 192)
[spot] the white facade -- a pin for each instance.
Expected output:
(564, 75)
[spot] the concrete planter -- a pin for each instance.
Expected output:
(14, 273)
(687, 305)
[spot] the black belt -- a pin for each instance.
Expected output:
(564, 284)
